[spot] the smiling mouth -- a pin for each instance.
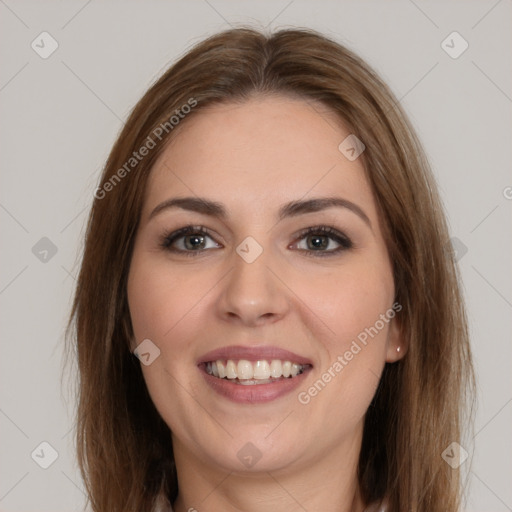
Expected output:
(250, 373)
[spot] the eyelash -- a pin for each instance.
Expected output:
(344, 242)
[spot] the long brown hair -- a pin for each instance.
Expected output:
(124, 447)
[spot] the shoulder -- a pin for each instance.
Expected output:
(380, 506)
(162, 504)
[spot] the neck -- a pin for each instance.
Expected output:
(328, 483)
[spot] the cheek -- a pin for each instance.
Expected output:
(349, 300)
(161, 299)
(163, 308)
(354, 303)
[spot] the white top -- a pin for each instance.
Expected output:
(164, 506)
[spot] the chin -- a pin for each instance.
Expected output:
(253, 454)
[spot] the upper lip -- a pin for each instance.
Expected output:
(257, 353)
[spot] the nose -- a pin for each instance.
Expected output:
(252, 295)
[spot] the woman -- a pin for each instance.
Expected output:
(267, 316)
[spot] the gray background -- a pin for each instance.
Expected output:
(60, 116)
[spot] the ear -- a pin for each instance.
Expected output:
(128, 333)
(397, 346)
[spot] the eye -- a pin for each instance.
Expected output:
(189, 240)
(314, 241)
(322, 241)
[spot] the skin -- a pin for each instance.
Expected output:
(254, 157)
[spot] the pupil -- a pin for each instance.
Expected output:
(194, 241)
(319, 242)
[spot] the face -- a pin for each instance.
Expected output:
(260, 247)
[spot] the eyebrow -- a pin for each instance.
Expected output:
(291, 209)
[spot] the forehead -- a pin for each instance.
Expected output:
(265, 151)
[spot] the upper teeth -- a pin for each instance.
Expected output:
(260, 370)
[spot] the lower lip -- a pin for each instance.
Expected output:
(256, 393)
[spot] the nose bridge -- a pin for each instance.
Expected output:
(251, 293)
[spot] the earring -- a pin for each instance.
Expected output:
(398, 349)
